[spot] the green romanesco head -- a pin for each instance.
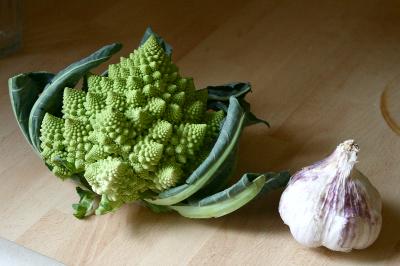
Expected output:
(142, 129)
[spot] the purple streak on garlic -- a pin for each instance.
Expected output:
(328, 204)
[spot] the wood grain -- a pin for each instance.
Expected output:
(318, 70)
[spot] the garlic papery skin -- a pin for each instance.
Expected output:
(330, 204)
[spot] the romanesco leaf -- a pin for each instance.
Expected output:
(88, 202)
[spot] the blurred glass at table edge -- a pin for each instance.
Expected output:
(10, 26)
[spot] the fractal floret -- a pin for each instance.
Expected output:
(135, 131)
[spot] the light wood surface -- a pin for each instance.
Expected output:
(318, 70)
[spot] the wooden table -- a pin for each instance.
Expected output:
(318, 70)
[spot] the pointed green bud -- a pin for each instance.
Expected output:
(139, 117)
(156, 106)
(119, 85)
(173, 113)
(135, 98)
(96, 153)
(95, 102)
(73, 101)
(195, 112)
(161, 131)
(149, 91)
(179, 98)
(134, 83)
(168, 176)
(116, 100)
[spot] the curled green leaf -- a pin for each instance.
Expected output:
(234, 197)
(224, 202)
(24, 90)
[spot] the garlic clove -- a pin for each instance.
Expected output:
(330, 204)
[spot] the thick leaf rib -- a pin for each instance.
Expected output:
(247, 188)
(239, 186)
(225, 202)
(221, 178)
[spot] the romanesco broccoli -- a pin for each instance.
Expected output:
(142, 129)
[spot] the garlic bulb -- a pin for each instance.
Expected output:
(328, 204)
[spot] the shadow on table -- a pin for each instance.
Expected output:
(261, 215)
(260, 151)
